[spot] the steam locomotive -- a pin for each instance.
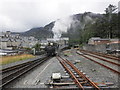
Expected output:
(51, 49)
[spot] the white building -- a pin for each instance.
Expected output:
(60, 41)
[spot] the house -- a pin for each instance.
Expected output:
(115, 44)
(28, 42)
(98, 40)
(8, 40)
(115, 41)
(3, 44)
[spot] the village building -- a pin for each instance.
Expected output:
(98, 40)
(13, 41)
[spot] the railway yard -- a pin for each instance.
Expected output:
(72, 68)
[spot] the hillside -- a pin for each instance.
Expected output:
(40, 32)
(79, 28)
(72, 28)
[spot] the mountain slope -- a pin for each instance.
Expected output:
(70, 27)
(40, 32)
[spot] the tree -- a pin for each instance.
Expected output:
(104, 27)
(109, 12)
(37, 46)
(110, 9)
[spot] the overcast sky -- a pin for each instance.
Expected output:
(21, 15)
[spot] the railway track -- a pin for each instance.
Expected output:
(104, 61)
(103, 55)
(14, 72)
(80, 79)
(112, 61)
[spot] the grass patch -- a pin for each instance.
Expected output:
(11, 59)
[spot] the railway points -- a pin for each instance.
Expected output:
(75, 72)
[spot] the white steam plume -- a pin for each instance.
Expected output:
(62, 25)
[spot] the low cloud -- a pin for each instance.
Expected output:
(21, 15)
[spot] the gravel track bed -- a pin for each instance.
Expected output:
(116, 61)
(10, 72)
(17, 63)
(95, 72)
(104, 62)
(37, 77)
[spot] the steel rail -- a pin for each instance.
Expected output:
(80, 73)
(15, 66)
(71, 73)
(7, 71)
(112, 56)
(11, 74)
(101, 58)
(18, 70)
(100, 54)
(9, 78)
(100, 64)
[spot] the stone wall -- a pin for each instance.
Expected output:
(101, 48)
(115, 46)
(89, 47)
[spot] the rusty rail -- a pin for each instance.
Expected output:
(101, 58)
(78, 72)
(100, 64)
(20, 70)
(73, 76)
(100, 54)
(82, 75)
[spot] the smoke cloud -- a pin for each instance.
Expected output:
(64, 24)
(61, 26)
